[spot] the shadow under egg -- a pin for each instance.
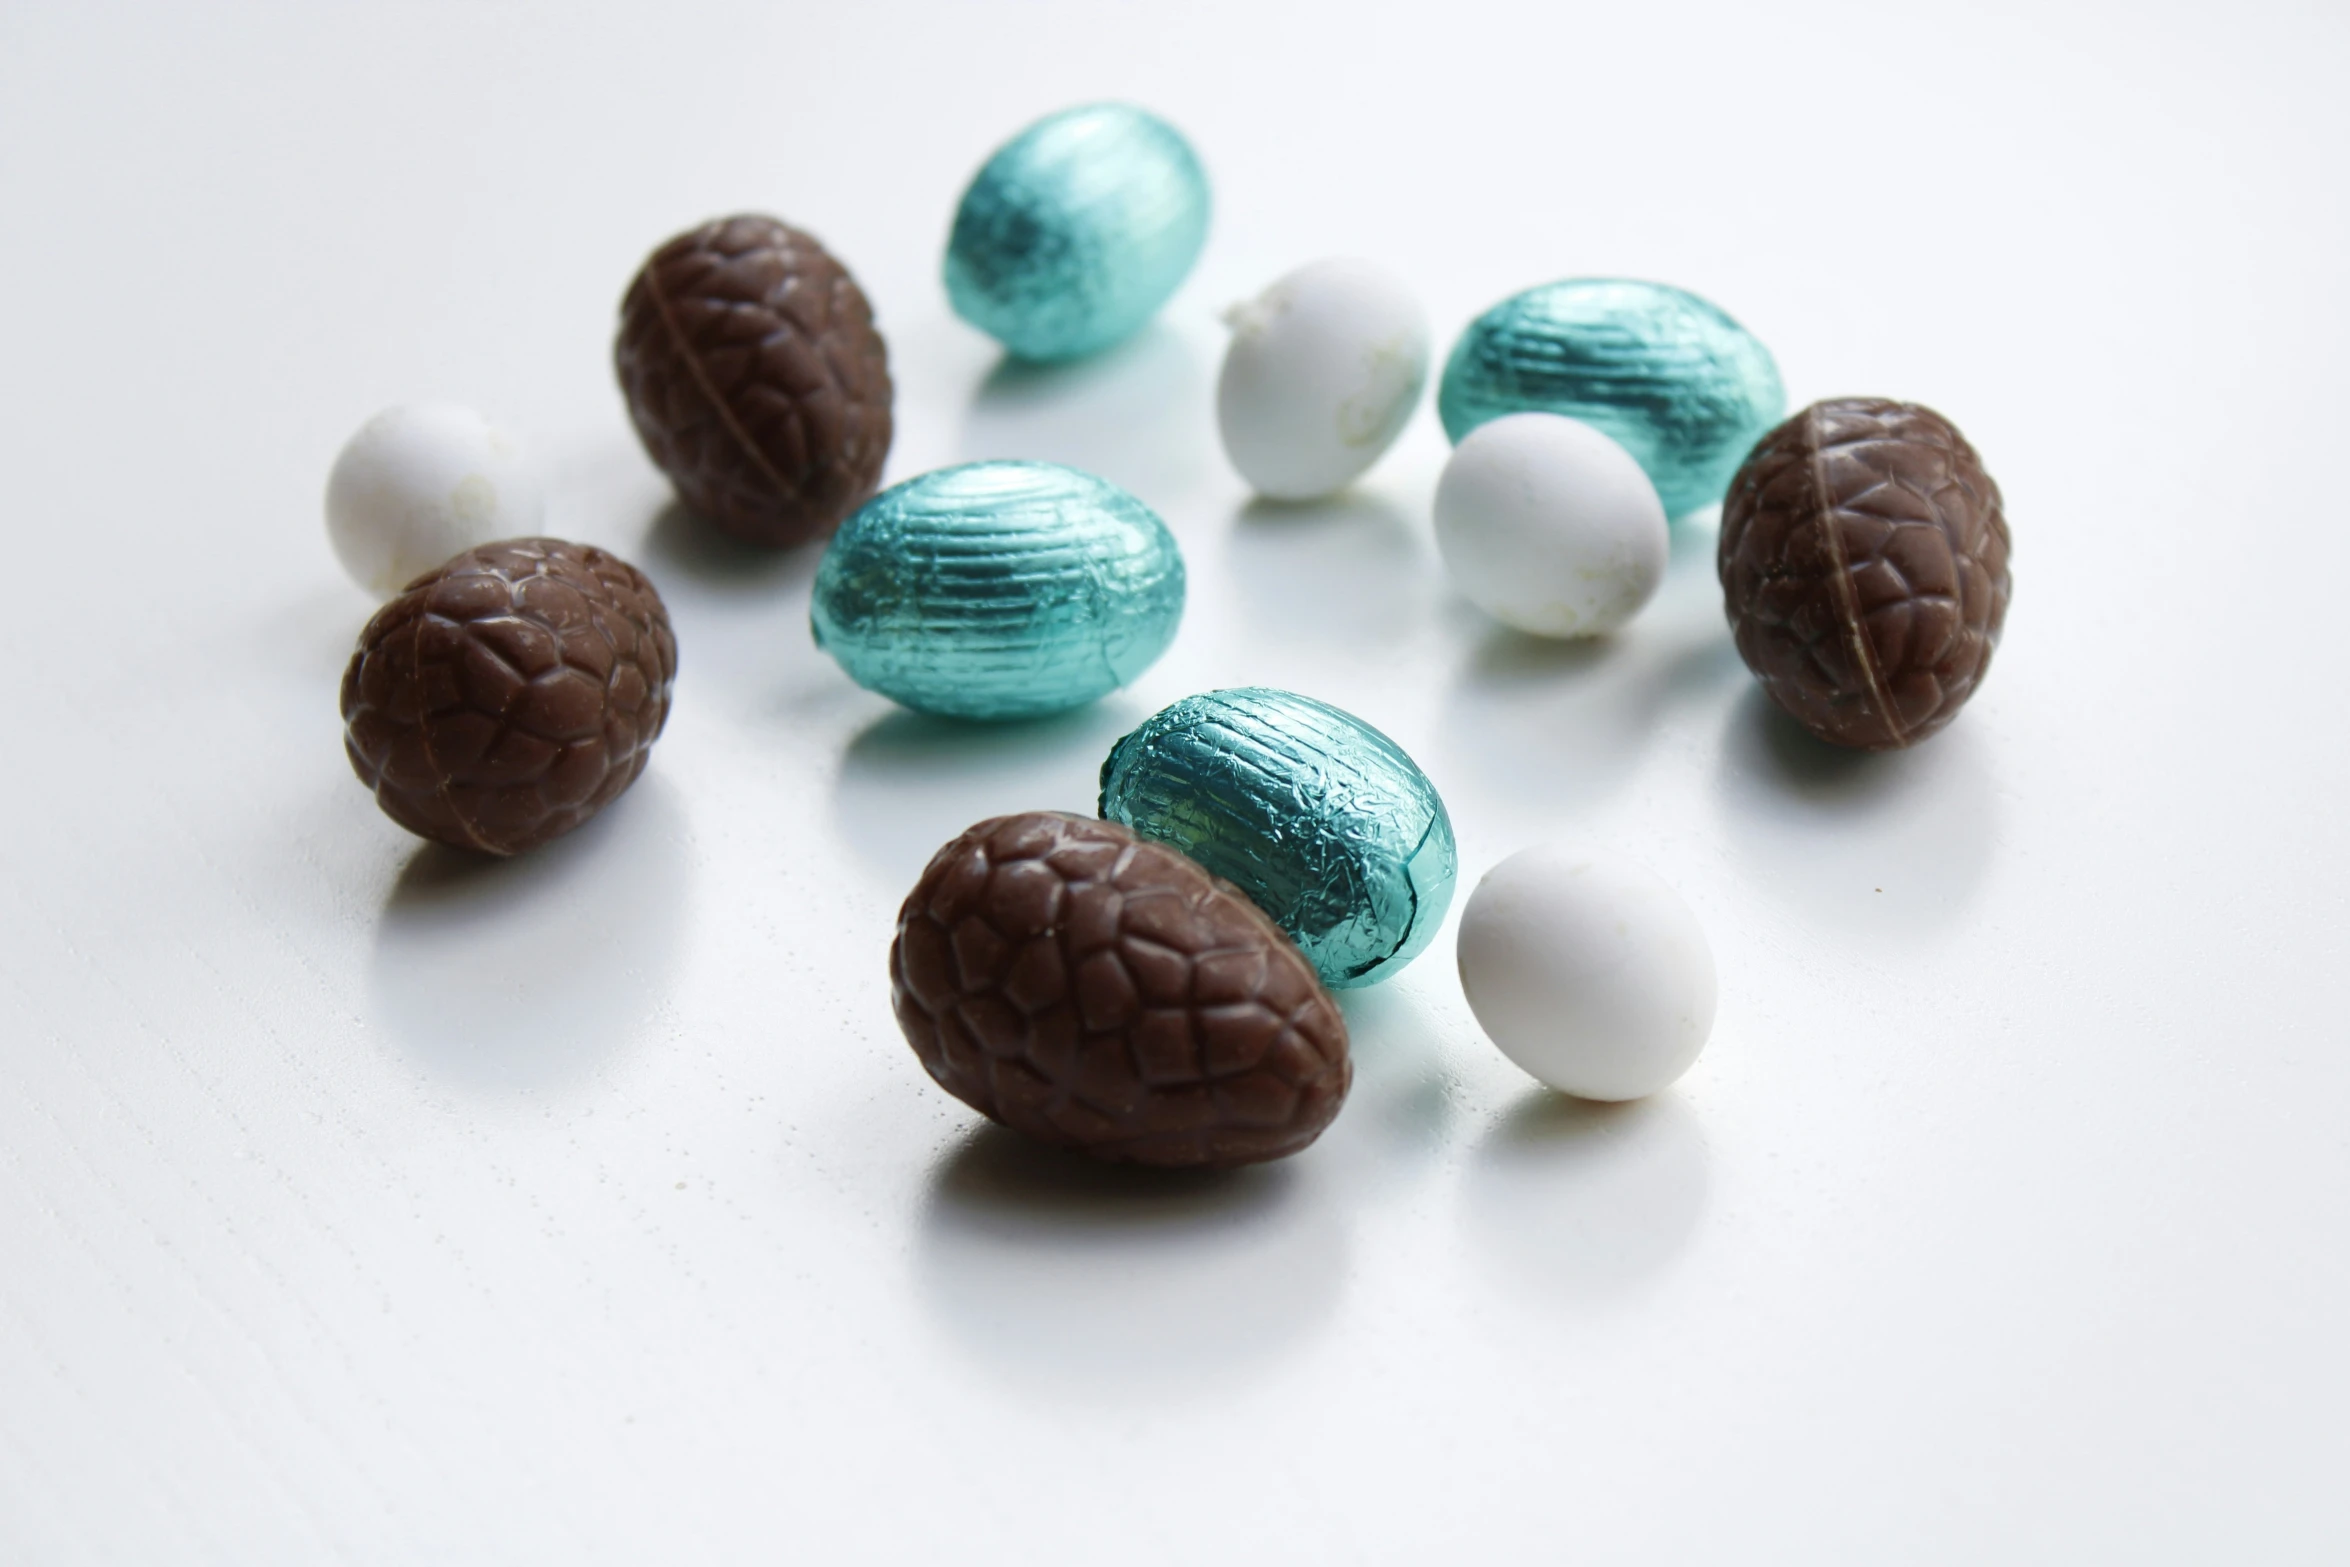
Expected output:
(1400, 1111)
(1571, 1203)
(681, 544)
(1889, 843)
(1549, 727)
(1553, 726)
(1138, 415)
(1080, 1279)
(741, 615)
(910, 782)
(530, 975)
(1349, 572)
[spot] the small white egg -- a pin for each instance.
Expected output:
(1550, 526)
(420, 483)
(1588, 971)
(1322, 373)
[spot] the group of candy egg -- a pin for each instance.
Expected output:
(1152, 985)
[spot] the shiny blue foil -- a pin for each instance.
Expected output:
(999, 590)
(1318, 817)
(1076, 231)
(1685, 389)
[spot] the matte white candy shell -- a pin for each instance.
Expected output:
(1550, 526)
(420, 483)
(1588, 971)
(1322, 373)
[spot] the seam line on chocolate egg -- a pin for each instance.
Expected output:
(1847, 599)
(693, 367)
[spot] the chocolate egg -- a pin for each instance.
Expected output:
(1864, 570)
(999, 590)
(509, 696)
(1076, 231)
(1319, 817)
(755, 378)
(1676, 382)
(1096, 991)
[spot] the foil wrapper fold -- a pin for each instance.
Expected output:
(1322, 820)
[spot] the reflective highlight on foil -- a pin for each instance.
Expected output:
(1318, 817)
(999, 590)
(1682, 387)
(1076, 231)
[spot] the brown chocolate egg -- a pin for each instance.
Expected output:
(509, 696)
(756, 379)
(1099, 991)
(1863, 561)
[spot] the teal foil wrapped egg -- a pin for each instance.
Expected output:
(1076, 231)
(999, 590)
(1682, 387)
(1318, 817)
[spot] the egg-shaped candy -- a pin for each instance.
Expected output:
(1864, 566)
(1096, 991)
(1075, 232)
(999, 590)
(420, 483)
(1322, 373)
(756, 378)
(1686, 389)
(1549, 526)
(1587, 970)
(509, 696)
(1316, 815)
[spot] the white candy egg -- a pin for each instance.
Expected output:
(420, 483)
(1588, 971)
(1549, 526)
(1322, 373)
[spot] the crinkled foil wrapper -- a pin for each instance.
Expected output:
(1320, 818)
(1076, 231)
(999, 590)
(1682, 387)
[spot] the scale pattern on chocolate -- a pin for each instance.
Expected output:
(1863, 561)
(507, 697)
(1101, 992)
(756, 379)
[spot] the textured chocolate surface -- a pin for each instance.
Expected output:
(756, 379)
(1864, 569)
(1101, 992)
(509, 696)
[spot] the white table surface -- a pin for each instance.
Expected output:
(357, 1204)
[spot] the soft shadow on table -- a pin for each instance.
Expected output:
(1893, 843)
(1402, 1108)
(682, 544)
(1549, 726)
(1349, 572)
(1107, 1283)
(529, 975)
(1552, 726)
(909, 782)
(1569, 1203)
(741, 613)
(1140, 415)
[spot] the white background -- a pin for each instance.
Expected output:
(360, 1204)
